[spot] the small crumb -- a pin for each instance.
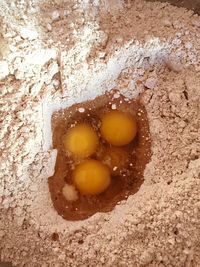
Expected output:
(102, 54)
(166, 22)
(66, 13)
(113, 106)
(150, 83)
(69, 192)
(116, 95)
(49, 27)
(81, 110)
(119, 39)
(174, 65)
(196, 22)
(55, 15)
(188, 45)
(4, 70)
(28, 34)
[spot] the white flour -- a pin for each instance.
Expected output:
(53, 55)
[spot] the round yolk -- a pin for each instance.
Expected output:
(115, 158)
(91, 177)
(81, 140)
(118, 128)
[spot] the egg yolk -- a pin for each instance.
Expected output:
(115, 158)
(81, 140)
(91, 177)
(118, 128)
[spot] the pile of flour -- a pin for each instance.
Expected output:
(57, 53)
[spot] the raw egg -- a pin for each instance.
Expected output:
(118, 128)
(91, 177)
(81, 140)
(115, 158)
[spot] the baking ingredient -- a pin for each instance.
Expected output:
(81, 140)
(91, 47)
(69, 192)
(118, 128)
(91, 177)
(125, 181)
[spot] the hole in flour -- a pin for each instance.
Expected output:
(55, 237)
(71, 256)
(185, 94)
(125, 180)
(176, 232)
(194, 157)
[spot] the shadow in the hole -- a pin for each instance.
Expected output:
(189, 4)
(5, 264)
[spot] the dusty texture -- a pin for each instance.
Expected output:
(190, 4)
(52, 59)
(124, 183)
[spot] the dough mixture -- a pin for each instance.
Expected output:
(57, 57)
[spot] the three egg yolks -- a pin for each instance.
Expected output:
(92, 177)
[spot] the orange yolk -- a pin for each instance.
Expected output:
(91, 177)
(118, 128)
(81, 140)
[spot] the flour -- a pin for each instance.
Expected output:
(53, 55)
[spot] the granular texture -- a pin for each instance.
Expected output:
(125, 181)
(57, 53)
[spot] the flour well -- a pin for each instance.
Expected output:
(57, 53)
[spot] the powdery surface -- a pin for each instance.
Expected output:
(55, 54)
